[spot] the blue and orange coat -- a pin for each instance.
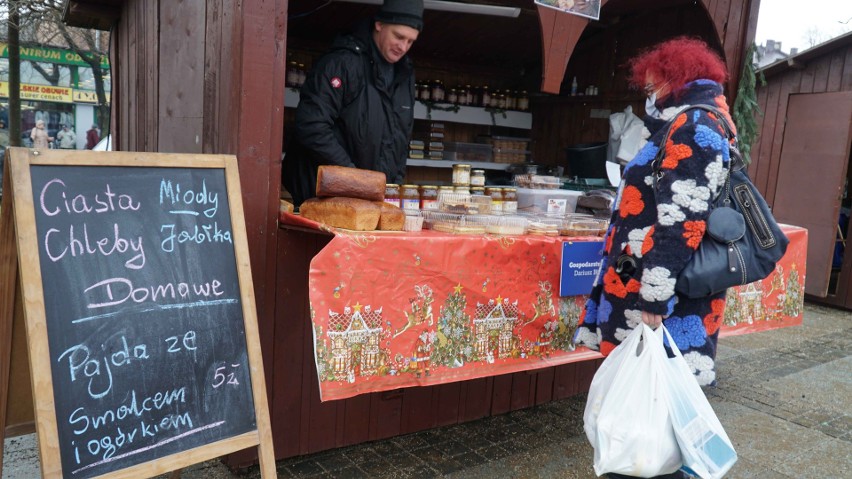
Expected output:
(663, 230)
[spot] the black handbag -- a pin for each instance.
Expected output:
(742, 241)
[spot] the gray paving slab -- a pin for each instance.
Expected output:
(783, 397)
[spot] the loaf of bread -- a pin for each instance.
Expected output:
(350, 182)
(349, 213)
(392, 218)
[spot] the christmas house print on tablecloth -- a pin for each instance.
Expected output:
(355, 337)
(497, 318)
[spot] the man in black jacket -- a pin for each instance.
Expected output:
(356, 106)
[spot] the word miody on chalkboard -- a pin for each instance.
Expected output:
(144, 313)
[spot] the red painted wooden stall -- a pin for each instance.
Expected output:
(209, 77)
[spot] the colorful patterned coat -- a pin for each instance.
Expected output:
(663, 231)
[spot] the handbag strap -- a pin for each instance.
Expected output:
(735, 156)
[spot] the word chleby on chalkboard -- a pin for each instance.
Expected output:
(144, 349)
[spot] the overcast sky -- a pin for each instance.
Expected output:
(792, 21)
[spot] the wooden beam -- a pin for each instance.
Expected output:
(560, 32)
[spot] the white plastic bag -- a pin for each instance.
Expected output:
(627, 416)
(706, 450)
(625, 136)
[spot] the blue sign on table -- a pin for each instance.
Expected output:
(580, 263)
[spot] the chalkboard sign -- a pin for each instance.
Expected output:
(149, 350)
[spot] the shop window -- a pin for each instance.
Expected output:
(40, 73)
(54, 115)
(86, 79)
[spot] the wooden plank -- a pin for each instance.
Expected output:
(476, 395)
(447, 403)
(501, 394)
(212, 72)
(523, 390)
(416, 409)
(8, 291)
(565, 381)
(846, 82)
(386, 414)
(835, 71)
(180, 108)
(585, 373)
(772, 142)
(544, 385)
(356, 417)
(789, 87)
(294, 252)
(821, 67)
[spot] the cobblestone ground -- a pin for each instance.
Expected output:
(783, 396)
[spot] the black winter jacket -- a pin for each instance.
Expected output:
(346, 118)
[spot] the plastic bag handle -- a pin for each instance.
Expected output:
(672, 343)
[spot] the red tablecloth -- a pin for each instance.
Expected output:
(396, 309)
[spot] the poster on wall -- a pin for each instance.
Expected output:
(583, 8)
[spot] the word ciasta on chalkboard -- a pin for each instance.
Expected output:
(149, 330)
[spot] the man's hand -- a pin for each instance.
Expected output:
(651, 319)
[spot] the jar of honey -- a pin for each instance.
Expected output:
(428, 197)
(477, 191)
(510, 200)
(461, 175)
(477, 178)
(496, 195)
(410, 197)
(392, 194)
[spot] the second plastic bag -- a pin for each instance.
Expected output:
(705, 447)
(627, 415)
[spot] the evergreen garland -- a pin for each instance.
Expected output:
(746, 109)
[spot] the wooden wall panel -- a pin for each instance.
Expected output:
(182, 35)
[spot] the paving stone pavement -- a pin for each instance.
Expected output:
(783, 396)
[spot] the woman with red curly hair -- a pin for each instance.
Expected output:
(655, 230)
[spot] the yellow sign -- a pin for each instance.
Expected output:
(87, 96)
(58, 94)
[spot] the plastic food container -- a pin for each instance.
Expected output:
(413, 221)
(460, 203)
(583, 227)
(506, 225)
(547, 200)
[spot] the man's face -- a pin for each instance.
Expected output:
(394, 41)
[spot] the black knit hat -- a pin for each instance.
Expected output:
(402, 12)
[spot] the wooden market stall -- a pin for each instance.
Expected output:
(802, 156)
(210, 77)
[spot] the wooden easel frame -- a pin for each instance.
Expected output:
(18, 235)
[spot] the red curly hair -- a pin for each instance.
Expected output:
(678, 61)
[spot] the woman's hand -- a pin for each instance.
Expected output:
(652, 320)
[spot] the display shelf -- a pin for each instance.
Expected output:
(466, 114)
(478, 165)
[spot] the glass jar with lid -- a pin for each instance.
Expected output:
(461, 175)
(477, 177)
(438, 90)
(496, 195)
(453, 97)
(443, 191)
(392, 194)
(302, 74)
(293, 74)
(410, 197)
(485, 99)
(461, 190)
(426, 92)
(477, 191)
(510, 200)
(523, 101)
(428, 197)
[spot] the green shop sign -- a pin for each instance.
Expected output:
(50, 55)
